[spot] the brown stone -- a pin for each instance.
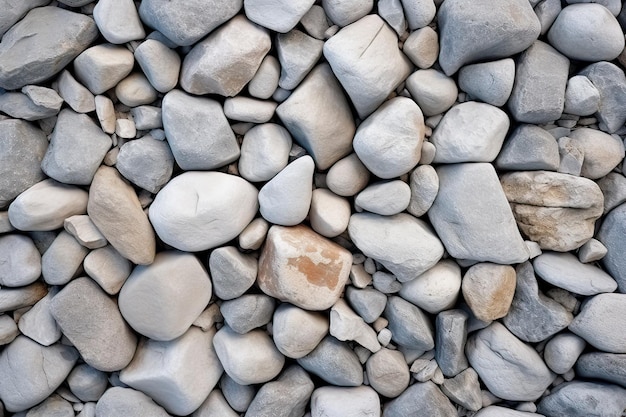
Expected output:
(488, 289)
(301, 267)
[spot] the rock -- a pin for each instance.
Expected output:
(208, 67)
(70, 158)
(610, 82)
(286, 198)
(602, 152)
(467, 33)
(601, 322)
(550, 209)
(128, 402)
(488, 290)
(461, 219)
(410, 326)
(367, 62)
(562, 351)
(528, 148)
(265, 81)
(328, 136)
(118, 21)
(161, 300)
(315, 22)
(608, 367)
(59, 37)
(420, 399)
(32, 372)
(578, 399)
(490, 82)
(346, 325)
(215, 405)
(185, 24)
(582, 98)
(464, 389)
(160, 64)
(238, 396)
(424, 185)
(20, 262)
(610, 235)
(17, 11)
(547, 12)
(254, 234)
(451, 335)
(344, 401)
(329, 214)
(509, 368)
(433, 91)
(232, 272)
(280, 16)
(249, 110)
(565, 271)
(384, 198)
(613, 187)
(247, 312)
(63, 259)
(538, 94)
(571, 155)
(343, 14)
(38, 323)
(297, 332)
(249, 358)
(146, 162)
(102, 66)
(53, 406)
(347, 176)
(298, 53)
(178, 374)
(479, 126)
(419, 13)
(578, 29)
(147, 117)
(367, 302)
(388, 373)
(84, 231)
(135, 90)
(22, 147)
(106, 113)
(8, 329)
(592, 251)
(301, 267)
(16, 298)
(287, 396)
(335, 362)
(436, 289)
(391, 11)
(108, 268)
(21, 106)
(213, 199)
(497, 411)
(422, 47)
(28, 213)
(87, 383)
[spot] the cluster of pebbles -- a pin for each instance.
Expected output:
(312, 208)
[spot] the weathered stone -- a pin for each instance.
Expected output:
(602, 322)
(247, 312)
(464, 389)
(102, 66)
(146, 162)
(108, 268)
(420, 399)
(334, 362)
(433, 91)
(610, 81)
(562, 351)
(491, 82)
(232, 272)
(118, 21)
(608, 367)
(38, 322)
(346, 325)
(20, 262)
(297, 332)
(118, 401)
(527, 148)
(388, 372)
(581, 399)
(62, 260)
(329, 214)
(410, 326)
(345, 401)
(451, 335)
(280, 16)
(435, 290)
(287, 396)
(602, 152)
(14, 12)
(488, 290)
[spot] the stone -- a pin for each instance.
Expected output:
(63, 259)
(160, 64)
(610, 81)
(296, 332)
(162, 300)
(249, 358)
(385, 198)
(38, 323)
(147, 117)
(578, 399)
(208, 67)
(125, 129)
(342, 13)
(27, 212)
(60, 36)
(301, 267)
(587, 23)
(464, 221)
(424, 185)
(582, 98)
(422, 47)
(328, 136)
(177, 374)
(498, 411)
(346, 325)
(547, 12)
(249, 110)
(232, 272)
(108, 268)
(315, 22)
(32, 372)
(53, 406)
(391, 11)
(118, 21)
(538, 94)
(435, 290)
(105, 113)
(265, 81)
(509, 368)
(550, 209)
(607, 367)
(565, 271)
(287, 396)
(367, 62)
(22, 147)
(386, 283)
(253, 235)
(70, 158)
(592, 251)
(529, 148)
(8, 329)
(347, 176)
(602, 152)
(613, 187)
(329, 214)
(20, 261)
(601, 322)
(128, 402)
(146, 162)
(345, 401)
(87, 383)
(238, 396)
(419, 13)
(410, 326)
(45, 99)
(464, 389)
(572, 157)
(450, 338)
(420, 399)
(609, 234)
(285, 199)
(15, 12)
(406, 246)
(368, 303)
(335, 362)
(215, 405)
(135, 90)
(298, 53)
(388, 373)
(479, 127)
(488, 290)
(16, 298)
(102, 66)
(490, 82)
(467, 33)
(562, 351)
(247, 312)
(433, 91)
(20, 106)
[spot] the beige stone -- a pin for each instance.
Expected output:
(488, 289)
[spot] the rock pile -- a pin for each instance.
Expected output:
(312, 208)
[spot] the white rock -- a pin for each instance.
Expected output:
(424, 186)
(582, 98)
(332, 401)
(253, 236)
(118, 21)
(592, 251)
(265, 81)
(385, 198)
(280, 16)
(106, 113)
(102, 66)
(343, 13)
(329, 214)
(345, 325)
(388, 372)
(297, 332)
(84, 231)
(419, 13)
(245, 109)
(602, 322)
(435, 290)
(602, 152)
(491, 82)
(38, 323)
(108, 268)
(562, 352)
(433, 91)
(347, 176)
(160, 64)
(77, 96)
(135, 90)
(298, 53)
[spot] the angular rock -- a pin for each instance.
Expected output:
(118, 401)
(420, 399)
(13, 13)
(562, 351)
(118, 21)
(146, 162)
(610, 81)
(464, 389)
(451, 335)
(490, 82)
(280, 16)
(578, 399)
(297, 332)
(367, 302)
(410, 326)
(342, 13)
(298, 53)
(232, 272)
(84, 231)
(601, 322)
(528, 148)
(287, 396)
(435, 290)
(38, 323)
(247, 312)
(608, 367)
(488, 289)
(108, 268)
(87, 383)
(602, 152)
(20, 261)
(343, 401)
(102, 66)
(424, 184)
(75, 94)
(21, 106)
(582, 98)
(346, 325)
(335, 362)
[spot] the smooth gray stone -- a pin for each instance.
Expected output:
(186, 23)
(584, 399)
(20, 262)
(385, 197)
(38, 323)
(297, 53)
(424, 184)
(491, 82)
(451, 335)
(547, 11)
(52, 36)
(264, 152)
(20, 106)
(232, 272)
(118, 21)
(601, 151)
(464, 389)
(388, 372)
(238, 396)
(147, 117)
(87, 383)
(538, 94)
(76, 95)
(288, 396)
(22, 147)
(146, 162)
(498, 411)
(342, 13)
(468, 34)
(341, 401)
(334, 362)
(420, 399)
(602, 322)
(103, 66)
(610, 81)
(419, 13)
(63, 259)
(248, 312)
(70, 158)
(409, 325)
(582, 98)
(529, 148)
(533, 317)
(215, 405)
(8, 329)
(562, 351)
(613, 187)
(15, 298)
(611, 234)
(367, 303)
(118, 401)
(280, 16)
(607, 367)
(391, 11)
(432, 90)
(14, 11)
(160, 64)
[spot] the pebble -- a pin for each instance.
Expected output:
(422, 47)
(433, 91)
(21, 106)
(8, 329)
(16, 298)
(419, 13)
(128, 402)
(215, 405)
(298, 53)
(160, 64)
(77, 96)
(296, 332)
(421, 398)
(345, 401)
(265, 81)
(488, 289)
(335, 362)
(409, 325)
(609, 234)
(146, 162)
(392, 13)
(608, 367)
(102, 66)
(547, 12)
(435, 290)
(578, 399)
(329, 214)
(84, 231)
(582, 98)
(347, 176)
(601, 322)
(52, 406)
(386, 283)
(280, 16)
(490, 82)
(87, 383)
(232, 272)
(147, 117)
(315, 22)
(613, 187)
(38, 323)
(610, 82)
(464, 389)
(424, 186)
(253, 235)
(562, 352)
(238, 396)
(288, 395)
(602, 152)
(346, 325)
(106, 113)
(388, 372)
(63, 259)
(118, 21)
(451, 335)
(247, 312)
(20, 262)
(108, 268)
(384, 198)
(368, 303)
(135, 90)
(592, 251)
(529, 148)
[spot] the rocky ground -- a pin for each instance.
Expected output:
(219, 208)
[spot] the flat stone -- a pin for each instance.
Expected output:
(335, 362)
(608, 367)
(578, 399)
(87, 383)
(490, 82)
(232, 272)
(388, 372)
(420, 399)
(118, 21)
(288, 395)
(38, 322)
(297, 332)
(582, 98)
(529, 148)
(488, 290)
(201, 210)
(602, 152)
(247, 312)
(108, 268)
(562, 351)
(16, 298)
(163, 299)
(422, 47)
(610, 81)
(59, 37)
(451, 335)
(20, 261)
(435, 290)
(20, 106)
(62, 260)
(410, 326)
(102, 66)
(249, 110)
(601, 322)
(345, 401)
(146, 162)
(77, 96)
(128, 402)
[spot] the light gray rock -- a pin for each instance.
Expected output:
(419, 13)
(391, 11)
(118, 21)
(146, 162)
(238, 396)
(249, 110)
(608, 367)
(16, 298)
(265, 81)
(538, 94)
(21, 106)
(464, 389)
(53, 406)
(160, 64)
(329, 214)
(38, 323)
(527, 148)
(610, 235)
(135, 90)
(287, 396)
(108, 268)
(128, 402)
(8, 329)
(410, 326)
(610, 81)
(147, 117)
(297, 53)
(433, 91)
(601, 322)
(162, 308)
(347, 176)
(315, 22)
(384, 198)
(14, 12)
(232, 272)
(87, 383)
(84, 231)
(498, 411)
(343, 13)
(365, 58)
(420, 399)
(346, 325)
(280, 16)
(592, 251)
(331, 401)
(297, 332)
(602, 152)
(105, 113)
(367, 302)
(467, 33)
(388, 372)
(215, 405)
(578, 399)
(435, 290)
(509, 368)
(613, 187)
(248, 312)
(582, 98)
(562, 351)
(63, 259)
(424, 185)
(102, 66)
(450, 338)
(335, 362)
(60, 36)
(547, 12)
(20, 261)
(77, 96)
(422, 47)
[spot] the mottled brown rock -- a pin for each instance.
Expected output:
(488, 289)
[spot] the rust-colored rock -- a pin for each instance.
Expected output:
(488, 289)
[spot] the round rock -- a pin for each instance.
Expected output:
(488, 289)
(385, 198)
(436, 289)
(297, 332)
(264, 152)
(602, 322)
(388, 372)
(433, 91)
(20, 261)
